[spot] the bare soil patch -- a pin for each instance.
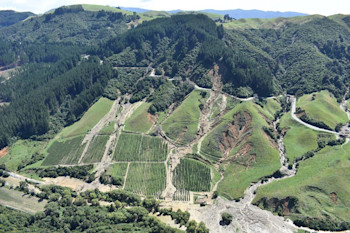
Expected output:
(3, 151)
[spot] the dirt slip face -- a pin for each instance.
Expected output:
(237, 133)
(334, 198)
(3, 152)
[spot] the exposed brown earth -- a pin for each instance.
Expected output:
(334, 198)
(3, 152)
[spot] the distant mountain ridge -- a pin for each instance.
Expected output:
(237, 13)
(10, 17)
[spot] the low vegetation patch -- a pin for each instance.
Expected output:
(146, 179)
(96, 149)
(114, 174)
(192, 175)
(66, 151)
(23, 153)
(140, 120)
(135, 147)
(298, 139)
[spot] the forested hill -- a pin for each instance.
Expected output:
(189, 46)
(70, 24)
(296, 55)
(9, 17)
(305, 54)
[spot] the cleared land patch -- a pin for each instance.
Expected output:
(182, 124)
(323, 107)
(96, 149)
(16, 200)
(89, 119)
(320, 190)
(146, 178)
(192, 175)
(140, 120)
(66, 152)
(135, 147)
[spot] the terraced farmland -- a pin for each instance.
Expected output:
(182, 124)
(117, 171)
(192, 175)
(135, 147)
(146, 178)
(64, 152)
(96, 149)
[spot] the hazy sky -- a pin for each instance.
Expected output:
(324, 7)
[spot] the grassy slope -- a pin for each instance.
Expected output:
(21, 150)
(18, 201)
(267, 23)
(324, 108)
(138, 121)
(298, 139)
(271, 107)
(238, 176)
(182, 124)
(328, 171)
(89, 119)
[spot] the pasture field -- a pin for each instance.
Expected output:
(254, 155)
(96, 149)
(139, 121)
(16, 200)
(21, 150)
(95, 113)
(65, 152)
(320, 186)
(182, 124)
(192, 175)
(298, 139)
(135, 147)
(323, 107)
(146, 178)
